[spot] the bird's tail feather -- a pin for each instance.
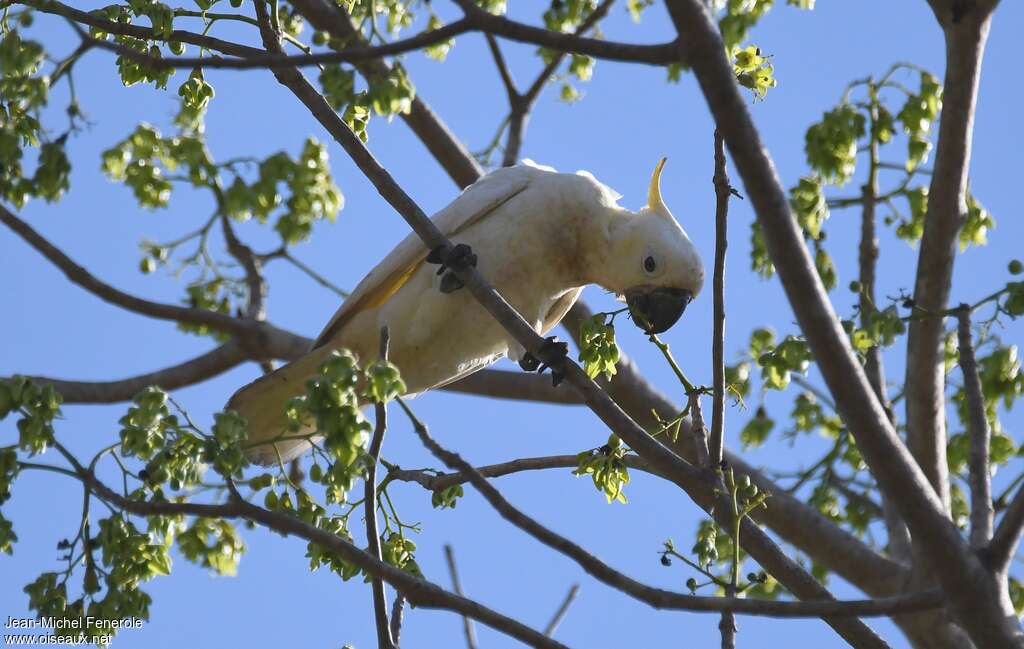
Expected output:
(262, 403)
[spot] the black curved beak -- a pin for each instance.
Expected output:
(655, 309)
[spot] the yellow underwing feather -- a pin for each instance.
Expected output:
(475, 204)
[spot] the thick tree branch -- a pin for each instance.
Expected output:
(192, 371)
(1007, 535)
(925, 380)
(972, 591)
(107, 293)
(354, 54)
(661, 54)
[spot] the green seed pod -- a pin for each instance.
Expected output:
(1015, 267)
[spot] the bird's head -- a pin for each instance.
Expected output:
(659, 271)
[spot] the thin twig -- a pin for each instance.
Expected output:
(559, 615)
(723, 190)
(384, 639)
(467, 624)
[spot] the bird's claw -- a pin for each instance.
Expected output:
(459, 257)
(552, 353)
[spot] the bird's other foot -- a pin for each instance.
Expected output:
(551, 353)
(459, 257)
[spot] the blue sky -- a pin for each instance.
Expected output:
(628, 119)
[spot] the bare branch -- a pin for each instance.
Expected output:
(723, 190)
(657, 597)
(1007, 535)
(467, 623)
(107, 293)
(972, 590)
(789, 517)
(519, 386)
(661, 54)
(190, 372)
(521, 105)
(123, 29)
(397, 615)
(380, 612)
(440, 481)
(503, 71)
(559, 615)
(925, 379)
(254, 280)
(867, 261)
(982, 511)
(417, 591)
(354, 54)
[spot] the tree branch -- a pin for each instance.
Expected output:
(521, 105)
(788, 572)
(107, 293)
(716, 441)
(1008, 533)
(657, 597)
(867, 261)
(380, 611)
(791, 518)
(190, 372)
(355, 54)
(925, 378)
(453, 572)
(559, 615)
(440, 481)
(972, 591)
(982, 511)
(661, 54)
(417, 591)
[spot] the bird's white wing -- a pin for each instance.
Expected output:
(475, 203)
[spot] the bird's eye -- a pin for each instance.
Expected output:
(650, 265)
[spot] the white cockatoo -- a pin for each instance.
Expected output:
(540, 237)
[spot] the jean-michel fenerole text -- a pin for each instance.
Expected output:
(80, 624)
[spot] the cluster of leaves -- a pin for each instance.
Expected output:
(37, 407)
(599, 352)
(917, 116)
(8, 472)
(313, 196)
(567, 16)
(24, 90)
(607, 468)
(387, 95)
(778, 360)
(447, 498)
(144, 158)
(161, 17)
